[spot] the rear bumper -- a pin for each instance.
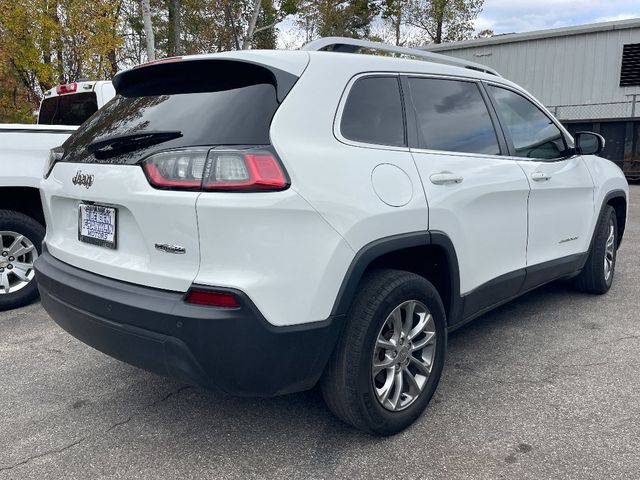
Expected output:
(233, 350)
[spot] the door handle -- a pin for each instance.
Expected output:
(540, 176)
(444, 178)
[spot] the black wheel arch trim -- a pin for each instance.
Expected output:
(605, 202)
(370, 252)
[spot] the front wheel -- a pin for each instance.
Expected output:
(20, 244)
(597, 274)
(389, 359)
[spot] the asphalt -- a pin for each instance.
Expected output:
(547, 386)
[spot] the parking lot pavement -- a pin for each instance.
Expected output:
(545, 387)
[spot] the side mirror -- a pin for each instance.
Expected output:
(589, 143)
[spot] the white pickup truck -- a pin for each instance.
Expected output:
(24, 150)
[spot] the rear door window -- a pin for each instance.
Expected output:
(534, 135)
(373, 112)
(72, 109)
(452, 115)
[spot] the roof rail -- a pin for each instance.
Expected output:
(352, 45)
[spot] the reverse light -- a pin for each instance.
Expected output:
(212, 298)
(67, 88)
(177, 169)
(216, 170)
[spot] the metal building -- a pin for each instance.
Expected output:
(588, 76)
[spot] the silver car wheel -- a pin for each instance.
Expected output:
(403, 355)
(17, 254)
(610, 252)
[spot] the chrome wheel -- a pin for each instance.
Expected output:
(17, 254)
(403, 355)
(610, 252)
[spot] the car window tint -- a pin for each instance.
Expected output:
(534, 135)
(373, 112)
(452, 116)
(68, 109)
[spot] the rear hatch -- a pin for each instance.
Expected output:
(120, 197)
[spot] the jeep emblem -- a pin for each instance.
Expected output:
(83, 179)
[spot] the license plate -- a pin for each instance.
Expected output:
(97, 224)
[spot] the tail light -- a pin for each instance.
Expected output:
(212, 298)
(67, 88)
(216, 170)
(55, 155)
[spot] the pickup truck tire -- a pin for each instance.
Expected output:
(28, 233)
(597, 274)
(371, 343)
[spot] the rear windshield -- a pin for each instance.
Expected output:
(206, 103)
(72, 109)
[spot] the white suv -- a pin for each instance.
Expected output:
(262, 221)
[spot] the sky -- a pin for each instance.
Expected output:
(506, 16)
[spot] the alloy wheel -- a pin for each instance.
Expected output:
(17, 254)
(403, 355)
(610, 252)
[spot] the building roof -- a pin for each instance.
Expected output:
(540, 34)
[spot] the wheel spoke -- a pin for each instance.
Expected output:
(397, 323)
(385, 344)
(4, 278)
(409, 311)
(378, 367)
(414, 388)
(18, 252)
(385, 391)
(428, 339)
(16, 245)
(422, 323)
(424, 369)
(398, 387)
(21, 272)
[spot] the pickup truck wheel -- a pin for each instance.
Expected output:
(388, 361)
(597, 274)
(20, 244)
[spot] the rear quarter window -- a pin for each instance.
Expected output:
(373, 112)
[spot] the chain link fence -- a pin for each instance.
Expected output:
(598, 111)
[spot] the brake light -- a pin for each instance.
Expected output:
(212, 298)
(215, 170)
(67, 88)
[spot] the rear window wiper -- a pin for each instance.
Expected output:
(120, 144)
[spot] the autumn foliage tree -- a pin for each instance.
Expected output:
(48, 42)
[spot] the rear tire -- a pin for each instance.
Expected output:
(371, 343)
(597, 274)
(20, 232)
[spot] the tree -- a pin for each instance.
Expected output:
(445, 20)
(394, 12)
(175, 27)
(326, 18)
(148, 30)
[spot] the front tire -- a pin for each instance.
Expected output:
(597, 274)
(20, 244)
(389, 359)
